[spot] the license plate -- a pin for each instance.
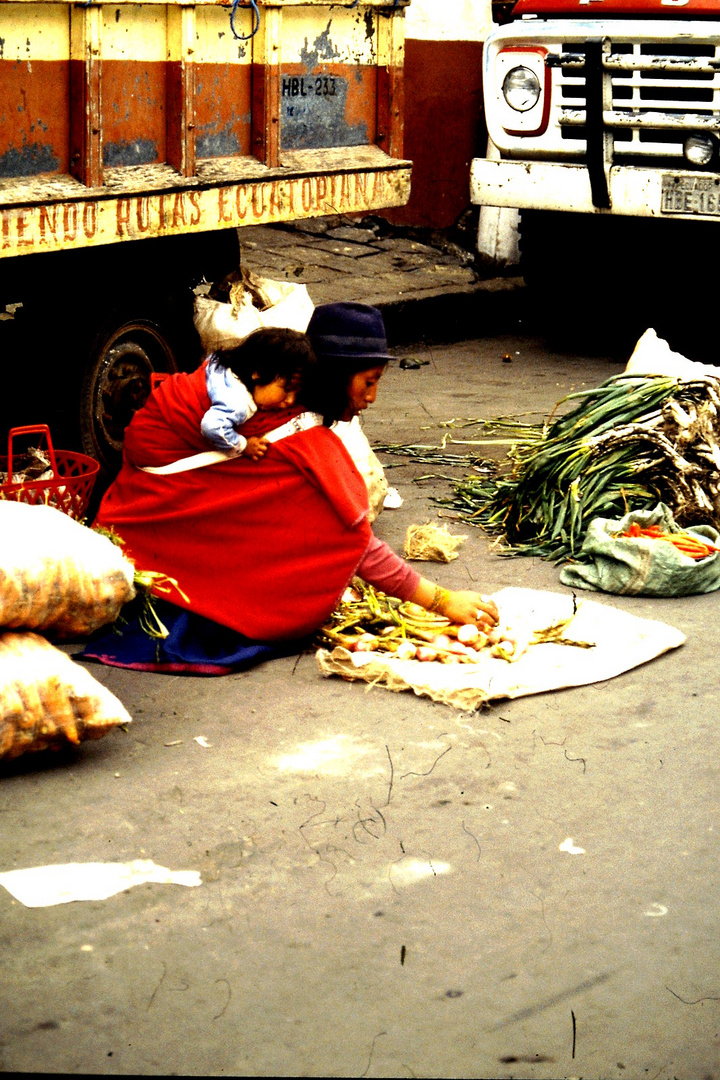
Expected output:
(690, 195)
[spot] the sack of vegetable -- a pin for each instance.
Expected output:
(646, 553)
(57, 575)
(245, 302)
(47, 700)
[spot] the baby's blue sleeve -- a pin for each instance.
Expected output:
(231, 405)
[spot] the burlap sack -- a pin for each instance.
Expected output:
(639, 565)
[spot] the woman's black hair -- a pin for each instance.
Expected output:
(269, 353)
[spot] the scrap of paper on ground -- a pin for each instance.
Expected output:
(43, 886)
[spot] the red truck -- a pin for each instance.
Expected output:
(136, 138)
(604, 125)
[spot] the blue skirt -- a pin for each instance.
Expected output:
(194, 645)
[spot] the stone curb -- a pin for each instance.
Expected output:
(492, 306)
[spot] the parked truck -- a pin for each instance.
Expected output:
(136, 138)
(604, 131)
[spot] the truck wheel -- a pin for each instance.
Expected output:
(116, 383)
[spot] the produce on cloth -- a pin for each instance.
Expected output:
(57, 575)
(47, 700)
(367, 620)
(628, 444)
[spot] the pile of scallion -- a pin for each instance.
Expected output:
(627, 444)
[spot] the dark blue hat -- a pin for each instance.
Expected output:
(350, 334)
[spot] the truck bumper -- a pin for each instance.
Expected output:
(633, 191)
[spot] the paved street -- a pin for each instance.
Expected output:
(387, 887)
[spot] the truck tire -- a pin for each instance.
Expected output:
(93, 325)
(116, 381)
(148, 330)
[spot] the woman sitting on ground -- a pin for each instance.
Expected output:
(261, 550)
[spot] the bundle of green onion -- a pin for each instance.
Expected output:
(147, 583)
(364, 610)
(629, 443)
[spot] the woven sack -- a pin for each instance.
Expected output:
(47, 701)
(56, 575)
(638, 565)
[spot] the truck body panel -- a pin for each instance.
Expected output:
(48, 218)
(125, 121)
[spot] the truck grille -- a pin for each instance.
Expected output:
(660, 92)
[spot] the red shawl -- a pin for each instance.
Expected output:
(265, 548)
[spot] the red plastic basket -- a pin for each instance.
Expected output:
(73, 476)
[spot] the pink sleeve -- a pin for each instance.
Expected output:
(385, 570)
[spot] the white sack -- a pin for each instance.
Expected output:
(653, 356)
(49, 701)
(57, 575)
(223, 326)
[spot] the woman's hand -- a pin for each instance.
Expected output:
(256, 447)
(459, 607)
(470, 607)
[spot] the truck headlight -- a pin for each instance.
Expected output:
(521, 89)
(520, 105)
(700, 149)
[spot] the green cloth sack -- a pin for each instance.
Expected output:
(639, 565)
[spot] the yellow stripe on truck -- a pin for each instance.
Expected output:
(333, 35)
(34, 32)
(87, 223)
(215, 43)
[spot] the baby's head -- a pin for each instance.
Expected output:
(272, 363)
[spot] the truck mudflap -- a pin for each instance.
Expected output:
(632, 191)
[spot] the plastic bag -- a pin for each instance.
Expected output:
(57, 575)
(47, 700)
(653, 356)
(254, 302)
(641, 566)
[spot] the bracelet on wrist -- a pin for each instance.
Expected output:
(439, 600)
